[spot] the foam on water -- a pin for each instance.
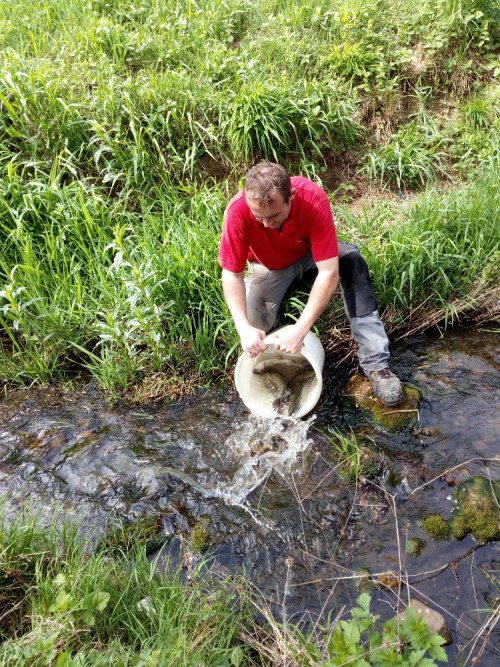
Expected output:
(257, 448)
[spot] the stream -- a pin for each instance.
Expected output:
(271, 495)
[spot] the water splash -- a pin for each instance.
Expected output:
(257, 448)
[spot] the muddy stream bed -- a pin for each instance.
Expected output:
(267, 498)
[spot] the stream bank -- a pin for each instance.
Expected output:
(296, 520)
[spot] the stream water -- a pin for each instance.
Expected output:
(269, 492)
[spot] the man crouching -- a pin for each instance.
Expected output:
(283, 227)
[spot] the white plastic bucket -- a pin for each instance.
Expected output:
(261, 398)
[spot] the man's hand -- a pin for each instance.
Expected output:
(252, 341)
(289, 339)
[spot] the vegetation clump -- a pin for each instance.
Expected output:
(478, 510)
(415, 546)
(436, 527)
(200, 535)
(403, 640)
(147, 531)
(355, 459)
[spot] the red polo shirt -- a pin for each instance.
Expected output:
(309, 226)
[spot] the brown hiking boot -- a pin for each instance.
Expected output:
(386, 386)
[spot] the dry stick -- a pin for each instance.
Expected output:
(9, 611)
(474, 640)
(459, 465)
(393, 503)
(434, 573)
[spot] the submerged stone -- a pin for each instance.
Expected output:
(478, 510)
(364, 582)
(391, 418)
(433, 619)
(436, 527)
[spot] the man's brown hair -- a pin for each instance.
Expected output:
(263, 181)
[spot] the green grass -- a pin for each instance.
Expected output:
(59, 600)
(436, 251)
(63, 603)
(126, 126)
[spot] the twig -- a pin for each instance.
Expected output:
(9, 611)
(459, 465)
(487, 625)
(434, 573)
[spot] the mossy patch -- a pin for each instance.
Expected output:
(415, 546)
(391, 418)
(478, 510)
(436, 527)
(200, 535)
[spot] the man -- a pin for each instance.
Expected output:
(284, 227)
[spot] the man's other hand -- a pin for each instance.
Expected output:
(289, 339)
(252, 341)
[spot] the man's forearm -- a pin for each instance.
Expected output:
(252, 339)
(233, 286)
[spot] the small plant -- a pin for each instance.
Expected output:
(403, 641)
(411, 158)
(475, 136)
(355, 460)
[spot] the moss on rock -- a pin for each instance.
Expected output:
(391, 418)
(200, 535)
(364, 582)
(478, 510)
(436, 527)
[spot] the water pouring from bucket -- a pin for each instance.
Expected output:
(277, 383)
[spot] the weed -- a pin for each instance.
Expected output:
(406, 640)
(412, 157)
(355, 460)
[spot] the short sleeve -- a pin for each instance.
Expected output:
(234, 247)
(322, 229)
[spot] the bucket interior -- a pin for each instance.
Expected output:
(278, 383)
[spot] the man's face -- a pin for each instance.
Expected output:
(274, 214)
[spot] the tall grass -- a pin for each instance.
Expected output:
(443, 248)
(126, 126)
(130, 294)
